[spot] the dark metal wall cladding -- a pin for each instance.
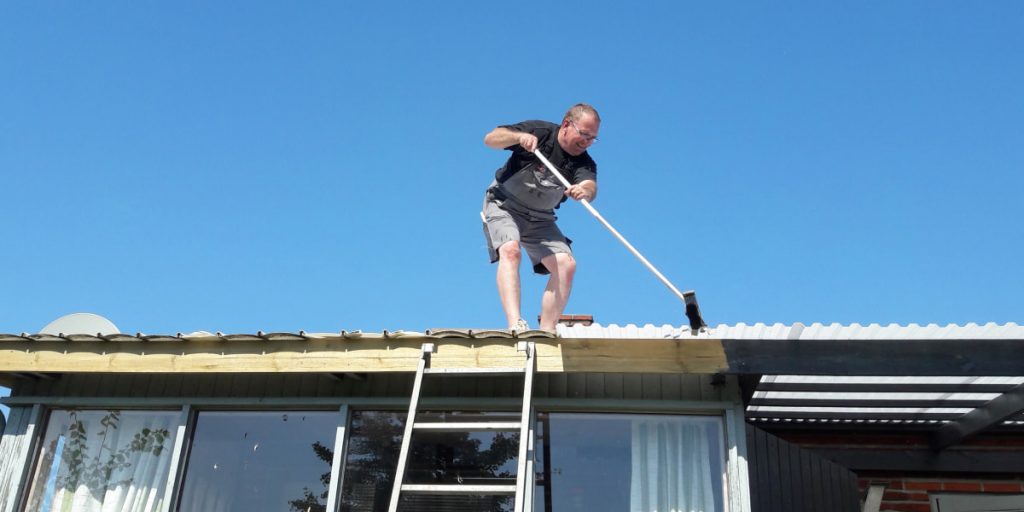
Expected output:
(787, 478)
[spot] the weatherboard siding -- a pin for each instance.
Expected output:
(15, 447)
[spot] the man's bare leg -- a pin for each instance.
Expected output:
(556, 294)
(509, 257)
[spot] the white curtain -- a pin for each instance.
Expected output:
(104, 461)
(671, 467)
(208, 496)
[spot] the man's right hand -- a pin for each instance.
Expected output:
(503, 138)
(528, 141)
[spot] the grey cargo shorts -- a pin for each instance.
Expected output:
(540, 237)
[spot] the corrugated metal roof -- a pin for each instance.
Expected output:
(799, 331)
(788, 399)
(758, 331)
(280, 336)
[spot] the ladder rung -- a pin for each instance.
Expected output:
(470, 426)
(474, 371)
(460, 489)
(524, 472)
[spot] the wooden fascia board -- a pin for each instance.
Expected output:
(338, 355)
(918, 357)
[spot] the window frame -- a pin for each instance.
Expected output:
(955, 501)
(39, 422)
(737, 498)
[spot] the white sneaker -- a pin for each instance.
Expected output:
(520, 326)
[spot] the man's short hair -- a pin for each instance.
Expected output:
(576, 111)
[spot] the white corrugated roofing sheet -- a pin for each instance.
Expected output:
(758, 331)
(800, 331)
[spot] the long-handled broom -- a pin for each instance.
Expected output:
(688, 297)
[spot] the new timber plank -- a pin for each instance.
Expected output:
(338, 355)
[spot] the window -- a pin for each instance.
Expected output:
(103, 460)
(435, 458)
(977, 502)
(281, 461)
(584, 462)
(374, 441)
(643, 462)
(256, 461)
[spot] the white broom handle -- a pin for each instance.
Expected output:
(621, 238)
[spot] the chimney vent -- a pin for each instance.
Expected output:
(571, 320)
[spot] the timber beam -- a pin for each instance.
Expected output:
(994, 412)
(347, 354)
(341, 356)
(924, 460)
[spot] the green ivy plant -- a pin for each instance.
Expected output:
(95, 471)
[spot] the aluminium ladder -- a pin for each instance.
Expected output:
(523, 488)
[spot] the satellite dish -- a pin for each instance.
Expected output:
(80, 323)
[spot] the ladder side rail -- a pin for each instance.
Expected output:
(525, 431)
(410, 420)
(531, 472)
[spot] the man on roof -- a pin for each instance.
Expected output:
(519, 206)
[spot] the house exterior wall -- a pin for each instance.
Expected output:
(906, 493)
(787, 478)
(579, 392)
(16, 448)
(911, 475)
(172, 389)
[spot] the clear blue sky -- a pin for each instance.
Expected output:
(243, 166)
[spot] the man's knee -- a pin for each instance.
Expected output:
(566, 264)
(561, 263)
(510, 252)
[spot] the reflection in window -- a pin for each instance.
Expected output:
(374, 441)
(469, 458)
(103, 460)
(256, 461)
(629, 462)
(584, 462)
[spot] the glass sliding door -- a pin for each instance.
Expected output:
(447, 458)
(375, 438)
(260, 461)
(103, 461)
(636, 462)
(280, 461)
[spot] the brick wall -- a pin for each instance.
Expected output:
(910, 494)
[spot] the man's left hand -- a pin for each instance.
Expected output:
(578, 192)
